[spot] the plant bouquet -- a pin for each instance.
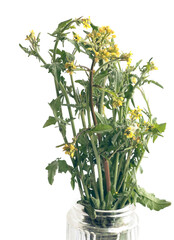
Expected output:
(110, 131)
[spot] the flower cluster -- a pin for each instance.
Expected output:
(135, 113)
(86, 22)
(127, 57)
(152, 66)
(70, 67)
(130, 132)
(76, 37)
(105, 30)
(31, 36)
(101, 44)
(148, 126)
(117, 102)
(69, 149)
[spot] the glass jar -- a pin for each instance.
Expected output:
(119, 224)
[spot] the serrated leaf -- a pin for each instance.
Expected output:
(55, 106)
(67, 57)
(149, 200)
(52, 168)
(64, 167)
(50, 121)
(161, 127)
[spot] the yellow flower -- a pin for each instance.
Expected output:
(114, 36)
(31, 36)
(69, 149)
(137, 139)
(129, 61)
(129, 132)
(117, 102)
(76, 37)
(152, 66)
(70, 67)
(86, 22)
(135, 113)
(133, 80)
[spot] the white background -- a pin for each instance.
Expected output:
(29, 207)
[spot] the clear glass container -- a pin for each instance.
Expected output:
(119, 224)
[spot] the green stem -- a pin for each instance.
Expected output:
(142, 155)
(54, 52)
(69, 108)
(116, 171)
(147, 103)
(73, 87)
(101, 110)
(125, 170)
(99, 169)
(91, 93)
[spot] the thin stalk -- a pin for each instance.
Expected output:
(99, 169)
(91, 93)
(101, 110)
(142, 155)
(73, 87)
(116, 171)
(114, 113)
(54, 52)
(88, 108)
(69, 108)
(125, 170)
(64, 137)
(147, 103)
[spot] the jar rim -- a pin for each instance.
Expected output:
(122, 211)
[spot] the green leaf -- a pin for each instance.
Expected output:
(63, 24)
(101, 118)
(82, 82)
(161, 127)
(100, 128)
(76, 45)
(149, 200)
(50, 121)
(73, 182)
(64, 167)
(96, 202)
(94, 27)
(154, 82)
(100, 76)
(67, 57)
(58, 51)
(107, 90)
(55, 106)
(129, 92)
(114, 138)
(52, 168)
